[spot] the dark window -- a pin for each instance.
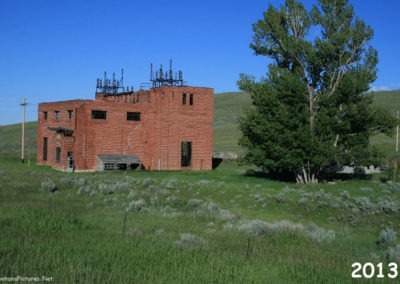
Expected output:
(122, 166)
(70, 112)
(99, 114)
(45, 115)
(186, 154)
(57, 114)
(108, 166)
(58, 154)
(135, 116)
(44, 148)
(183, 98)
(191, 99)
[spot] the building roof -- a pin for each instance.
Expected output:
(119, 159)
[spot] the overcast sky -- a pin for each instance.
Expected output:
(53, 50)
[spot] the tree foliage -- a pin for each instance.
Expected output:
(312, 110)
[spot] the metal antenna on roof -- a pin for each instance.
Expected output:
(122, 77)
(170, 70)
(165, 78)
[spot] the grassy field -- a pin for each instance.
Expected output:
(221, 226)
(178, 227)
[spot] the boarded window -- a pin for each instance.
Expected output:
(99, 114)
(58, 154)
(44, 148)
(134, 116)
(186, 154)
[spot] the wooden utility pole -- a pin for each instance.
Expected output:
(23, 104)
(397, 133)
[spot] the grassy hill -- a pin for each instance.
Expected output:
(390, 100)
(10, 140)
(229, 106)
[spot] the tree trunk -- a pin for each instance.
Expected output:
(311, 100)
(306, 177)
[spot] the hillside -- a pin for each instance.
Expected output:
(10, 140)
(227, 108)
(390, 100)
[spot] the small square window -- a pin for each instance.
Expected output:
(99, 114)
(133, 116)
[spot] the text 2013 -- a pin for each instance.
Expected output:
(370, 270)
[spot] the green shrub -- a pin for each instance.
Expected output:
(364, 204)
(190, 241)
(318, 234)
(194, 203)
(137, 205)
(48, 186)
(387, 205)
(280, 197)
(393, 255)
(386, 237)
(253, 227)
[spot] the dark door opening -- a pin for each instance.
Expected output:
(70, 161)
(186, 154)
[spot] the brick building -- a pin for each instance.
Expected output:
(168, 127)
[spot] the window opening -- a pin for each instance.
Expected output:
(44, 148)
(58, 154)
(134, 116)
(99, 114)
(184, 98)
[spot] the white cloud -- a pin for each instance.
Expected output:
(379, 88)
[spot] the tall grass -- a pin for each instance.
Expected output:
(179, 227)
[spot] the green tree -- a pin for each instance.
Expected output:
(312, 110)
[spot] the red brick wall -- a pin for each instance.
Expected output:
(156, 139)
